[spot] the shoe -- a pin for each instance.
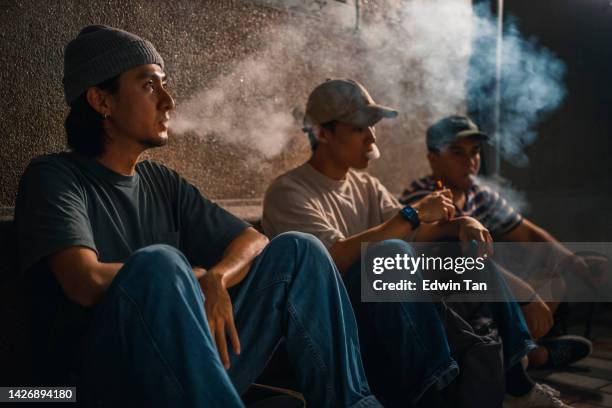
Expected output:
(538, 397)
(552, 391)
(565, 350)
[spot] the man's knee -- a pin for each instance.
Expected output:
(375, 253)
(298, 242)
(558, 288)
(389, 248)
(156, 263)
(298, 254)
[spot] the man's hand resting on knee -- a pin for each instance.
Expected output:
(219, 312)
(231, 270)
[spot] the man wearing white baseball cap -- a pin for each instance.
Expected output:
(408, 347)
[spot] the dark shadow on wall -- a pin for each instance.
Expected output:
(567, 181)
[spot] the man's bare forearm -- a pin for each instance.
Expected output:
(527, 232)
(102, 275)
(434, 207)
(237, 258)
(82, 278)
(436, 231)
(348, 251)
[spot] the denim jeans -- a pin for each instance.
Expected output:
(149, 342)
(405, 345)
(507, 317)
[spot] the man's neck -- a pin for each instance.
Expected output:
(120, 158)
(327, 167)
(458, 197)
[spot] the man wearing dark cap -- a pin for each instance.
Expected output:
(454, 145)
(407, 347)
(145, 292)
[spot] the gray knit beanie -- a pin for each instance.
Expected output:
(99, 53)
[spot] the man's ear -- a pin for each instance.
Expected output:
(322, 134)
(433, 157)
(99, 100)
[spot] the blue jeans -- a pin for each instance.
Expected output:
(405, 346)
(507, 316)
(149, 342)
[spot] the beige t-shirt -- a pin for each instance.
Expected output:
(307, 201)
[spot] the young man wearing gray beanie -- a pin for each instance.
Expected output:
(140, 282)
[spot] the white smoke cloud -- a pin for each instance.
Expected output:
(517, 199)
(531, 86)
(418, 55)
(249, 106)
(413, 56)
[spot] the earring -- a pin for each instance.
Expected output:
(104, 116)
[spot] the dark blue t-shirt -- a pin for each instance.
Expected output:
(67, 200)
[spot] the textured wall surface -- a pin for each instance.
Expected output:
(207, 46)
(201, 42)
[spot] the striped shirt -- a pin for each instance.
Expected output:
(481, 202)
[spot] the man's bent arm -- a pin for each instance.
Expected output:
(347, 251)
(527, 231)
(436, 231)
(434, 207)
(233, 267)
(238, 257)
(82, 277)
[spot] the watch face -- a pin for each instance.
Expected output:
(411, 215)
(409, 212)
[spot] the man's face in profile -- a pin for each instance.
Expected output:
(350, 145)
(141, 108)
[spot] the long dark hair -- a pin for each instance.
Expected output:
(84, 130)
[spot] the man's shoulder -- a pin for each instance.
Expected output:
(51, 165)
(49, 178)
(292, 179)
(294, 187)
(61, 159)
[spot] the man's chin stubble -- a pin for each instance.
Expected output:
(149, 144)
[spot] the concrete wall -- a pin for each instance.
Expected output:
(567, 183)
(201, 41)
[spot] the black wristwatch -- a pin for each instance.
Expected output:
(411, 215)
